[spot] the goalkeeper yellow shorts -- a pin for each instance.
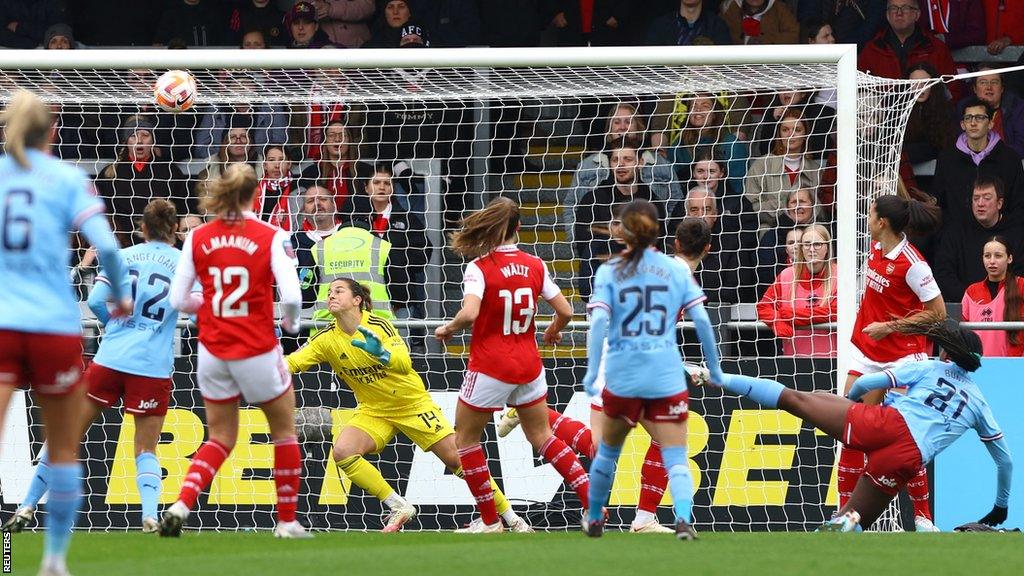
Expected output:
(425, 427)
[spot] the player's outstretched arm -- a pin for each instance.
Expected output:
(464, 319)
(309, 355)
(869, 382)
(706, 335)
(1000, 453)
(99, 297)
(97, 230)
(599, 319)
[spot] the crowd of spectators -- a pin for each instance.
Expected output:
(758, 168)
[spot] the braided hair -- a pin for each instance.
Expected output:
(961, 345)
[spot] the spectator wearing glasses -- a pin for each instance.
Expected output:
(978, 151)
(334, 169)
(903, 42)
(1008, 107)
(804, 294)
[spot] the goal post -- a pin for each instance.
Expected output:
(457, 127)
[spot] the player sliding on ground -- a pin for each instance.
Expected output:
(501, 286)
(692, 242)
(134, 361)
(367, 352)
(637, 298)
(238, 259)
(42, 200)
(906, 431)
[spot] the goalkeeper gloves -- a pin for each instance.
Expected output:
(996, 517)
(372, 345)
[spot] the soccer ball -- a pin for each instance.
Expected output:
(175, 91)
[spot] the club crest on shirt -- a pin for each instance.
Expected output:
(889, 268)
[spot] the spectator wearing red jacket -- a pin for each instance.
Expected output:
(1004, 24)
(958, 23)
(903, 43)
(802, 295)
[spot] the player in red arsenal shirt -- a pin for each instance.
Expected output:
(237, 260)
(898, 286)
(501, 287)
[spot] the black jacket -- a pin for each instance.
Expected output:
(410, 248)
(666, 30)
(727, 274)
(955, 173)
(205, 24)
(126, 192)
(33, 18)
(957, 264)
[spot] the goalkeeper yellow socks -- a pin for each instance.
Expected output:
(366, 476)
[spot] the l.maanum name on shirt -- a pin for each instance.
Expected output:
(231, 241)
(876, 281)
(515, 270)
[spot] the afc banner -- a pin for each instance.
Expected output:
(753, 469)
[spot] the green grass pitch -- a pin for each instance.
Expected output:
(428, 554)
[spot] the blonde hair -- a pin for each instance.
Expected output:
(232, 192)
(27, 123)
(800, 264)
(486, 229)
(635, 137)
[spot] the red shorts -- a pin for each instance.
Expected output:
(882, 434)
(671, 409)
(49, 363)
(142, 395)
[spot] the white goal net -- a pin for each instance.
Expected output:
(764, 152)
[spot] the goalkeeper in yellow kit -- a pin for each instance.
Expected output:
(367, 352)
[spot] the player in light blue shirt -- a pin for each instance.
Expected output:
(638, 296)
(906, 431)
(42, 200)
(134, 362)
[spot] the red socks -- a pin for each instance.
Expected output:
(559, 455)
(287, 469)
(653, 479)
(917, 488)
(205, 463)
(478, 478)
(572, 432)
(851, 468)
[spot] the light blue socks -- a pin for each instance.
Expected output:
(147, 477)
(602, 474)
